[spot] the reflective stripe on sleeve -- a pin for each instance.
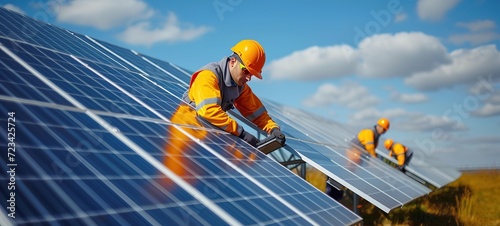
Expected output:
(224, 127)
(207, 101)
(256, 113)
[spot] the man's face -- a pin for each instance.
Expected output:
(239, 73)
(381, 130)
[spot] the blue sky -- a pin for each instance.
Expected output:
(431, 67)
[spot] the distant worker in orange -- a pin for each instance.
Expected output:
(367, 139)
(402, 153)
(220, 86)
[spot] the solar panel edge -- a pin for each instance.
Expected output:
(383, 207)
(383, 165)
(326, 170)
(426, 178)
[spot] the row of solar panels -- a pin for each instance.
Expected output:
(336, 137)
(99, 141)
(97, 144)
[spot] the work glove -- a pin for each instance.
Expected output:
(402, 168)
(249, 138)
(276, 132)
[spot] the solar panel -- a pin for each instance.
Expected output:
(424, 173)
(96, 144)
(322, 144)
(335, 134)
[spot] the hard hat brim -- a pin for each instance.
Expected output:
(255, 73)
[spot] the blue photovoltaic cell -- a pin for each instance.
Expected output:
(165, 72)
(437, 177)
(321, 143)
(83, 85)
(22, 28)
(17, 80)
(97, 144)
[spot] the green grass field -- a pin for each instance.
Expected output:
(473, 199)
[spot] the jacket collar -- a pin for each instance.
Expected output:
(226, 74)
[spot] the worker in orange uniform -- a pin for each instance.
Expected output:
(220, 86)
(402, 153)
(367, 139)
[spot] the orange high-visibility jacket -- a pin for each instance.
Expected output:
(212, 92)
(400, 152)
(367, 139)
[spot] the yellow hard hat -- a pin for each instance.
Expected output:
(388, 143)
(384, 123)
(252, 56)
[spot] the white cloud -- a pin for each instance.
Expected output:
(136, 15)
(421, 58)
(382, 55)
(401, 17)
(408, 98)
(401, 54)
(314, 63)
(350, 95)
(434, 10)
(403, 120)
(369, 116)
(13, 8)
(479, 32)
(423, 122)
(466, 66)
(101, 14)
(478, 25)
(170, 31)
(488, 110)
(474, 39)
(492, 105)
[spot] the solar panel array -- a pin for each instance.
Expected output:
(323, 144)
(425, 173)
(98, 142)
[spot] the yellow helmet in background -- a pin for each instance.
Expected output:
(252, 56)
(384, 123)
(388, 143)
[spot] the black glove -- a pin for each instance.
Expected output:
(276, 132)
(249, 138)
(402, 168)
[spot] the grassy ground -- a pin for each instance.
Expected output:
(473, 199)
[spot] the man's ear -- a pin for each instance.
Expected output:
(232, 61)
